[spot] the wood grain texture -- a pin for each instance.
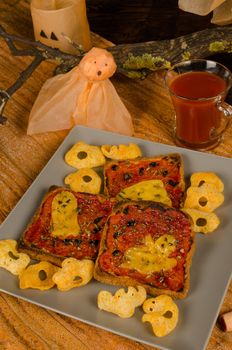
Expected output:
(23, 325)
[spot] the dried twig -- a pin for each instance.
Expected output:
(5, 95)
(40, 52)
(24, 75)
(36, 48)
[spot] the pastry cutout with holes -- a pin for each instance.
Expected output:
(205, 198)
(81, 155)
(74, 273)
(203, 222)
(198, 179)
(162, 313)
(10, 259)
(121, 152)
(38, 276)
(84, 180)
(122, 303)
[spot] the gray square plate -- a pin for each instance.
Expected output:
(210, 272)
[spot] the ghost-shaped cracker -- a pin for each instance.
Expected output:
(162, 313)
(122, 303)
(83, 96)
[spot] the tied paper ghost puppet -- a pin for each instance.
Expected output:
(83, 96)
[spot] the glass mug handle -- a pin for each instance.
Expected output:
(226, 109)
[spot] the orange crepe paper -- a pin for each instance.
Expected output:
(83, 96)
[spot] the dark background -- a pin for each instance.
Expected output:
(132, 21)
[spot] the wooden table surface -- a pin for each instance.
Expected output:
(24, 325)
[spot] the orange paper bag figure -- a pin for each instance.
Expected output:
(83, 96)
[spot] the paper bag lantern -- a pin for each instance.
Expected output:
(56, 20)
(83, 96)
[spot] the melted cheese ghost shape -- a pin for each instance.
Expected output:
(149, 190)
(153, 256)
(64, 215)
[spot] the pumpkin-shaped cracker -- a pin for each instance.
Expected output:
(162, 313)
(84, 180)
(73, 273)
(10, 259)
(81, 155)
(122, 303)
(121, 152)
(198, 179)
(205, 198)
(38, 276)
(203, 222)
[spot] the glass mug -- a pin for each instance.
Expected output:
(198, 89)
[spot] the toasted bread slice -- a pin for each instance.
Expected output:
(67, 224)
(149, 244)
(119, 175)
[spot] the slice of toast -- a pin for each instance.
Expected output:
(67, 224)
(169, 169)
(149, 244)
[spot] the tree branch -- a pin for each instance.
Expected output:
(24, 75)
(38, 48)
(133, 60)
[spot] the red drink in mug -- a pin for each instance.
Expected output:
(198, 94)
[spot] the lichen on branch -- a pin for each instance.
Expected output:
(139, 66)
(221, 46)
